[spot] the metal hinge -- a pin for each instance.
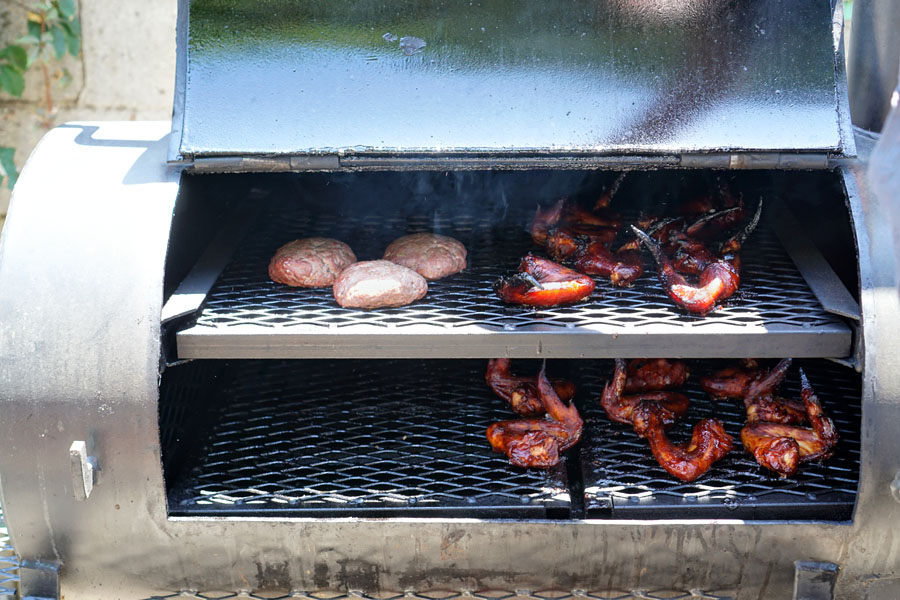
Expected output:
(755, 160)
(39, 580)
(265, 164)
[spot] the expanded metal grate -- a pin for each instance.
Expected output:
(773, 297)
(623, 480)
(345, 438)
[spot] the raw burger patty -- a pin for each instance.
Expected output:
(378, 284)
(310, 262)
(430, 255)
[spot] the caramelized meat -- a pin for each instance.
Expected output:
(782, 448)
(731, 382)
(544, 220)
(541, 282)
(772, 409)
(686, 461)
(538, 442)
(718, 279)
(522, 392)
(654, 374)
(622, 267)
(620, 408)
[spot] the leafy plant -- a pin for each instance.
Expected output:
(53, 30)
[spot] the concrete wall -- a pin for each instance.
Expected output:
(126, 71)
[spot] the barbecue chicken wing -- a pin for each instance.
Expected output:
(620, 408)
(718, 279)
(655, 374)
(756, 387)
(689, 460)
(541, 282)
(782, 448)
(522, 392)
(538, 442)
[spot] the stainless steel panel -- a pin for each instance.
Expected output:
(559, 79)
(120, 543)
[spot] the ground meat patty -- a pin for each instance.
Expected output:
(430, 255)
(378, 284)
(310, 262)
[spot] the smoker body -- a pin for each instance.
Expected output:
(112, 224)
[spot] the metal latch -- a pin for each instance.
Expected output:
(814, 580)
(84, 470)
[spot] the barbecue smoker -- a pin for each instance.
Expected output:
(172, 420)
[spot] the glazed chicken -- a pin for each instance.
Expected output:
(655, 374)
(756, 387)
(522, 392)
(687, 461)
(782, 448)
(541, 282)
(620, 408)
(718, 279)
(539, 442)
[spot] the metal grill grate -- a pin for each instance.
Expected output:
(358, 438)
(623, 480)
(774, 298)
(9, 564)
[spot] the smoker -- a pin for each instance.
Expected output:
(173, 422)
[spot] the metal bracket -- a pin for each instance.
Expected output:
(39, 580)
(84, 470)
(814, 580)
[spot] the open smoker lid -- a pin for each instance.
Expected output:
(324, 84)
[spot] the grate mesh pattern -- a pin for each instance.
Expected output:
(622, 478)
(773, 291)
(462, 595)
(355, 438)
(9, 564)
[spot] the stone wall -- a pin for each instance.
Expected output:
(126, 71)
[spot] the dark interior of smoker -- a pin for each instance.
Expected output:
(368, 437)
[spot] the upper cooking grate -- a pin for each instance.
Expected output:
(356, 438)
(774, 299)
(622, 479)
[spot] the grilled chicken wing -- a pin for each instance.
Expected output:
(541, 282)
(620, 408)
(718, 279)
(522, 392)
(783, 447)
(686, 461)
(539, 442)
(655, 374)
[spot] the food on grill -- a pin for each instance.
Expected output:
(756, 388)
(719, 275)
(687, 461)
(572, 233)
(541, 282)
(378, 284)
(430, 255)
(653, 374)
(782, 448)
(538, 442)
(733, 381)
(620, 408)
(310, 262)
(522, 392)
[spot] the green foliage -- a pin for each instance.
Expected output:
(53, 30)
(7, 166)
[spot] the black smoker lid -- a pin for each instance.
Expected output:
(417, 78)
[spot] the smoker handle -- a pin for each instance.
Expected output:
(814, 580)
(84, 470)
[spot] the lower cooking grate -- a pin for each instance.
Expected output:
(622, 479)
(406, 438)
(248, 316)
(357, 438)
